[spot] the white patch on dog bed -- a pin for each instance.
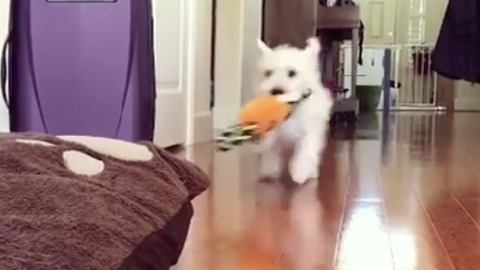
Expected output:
(115, 148)
(34, 142)
(82, 164)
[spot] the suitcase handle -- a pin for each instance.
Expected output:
(3, 70)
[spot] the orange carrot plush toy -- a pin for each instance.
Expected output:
(264, 112)
(256, 118)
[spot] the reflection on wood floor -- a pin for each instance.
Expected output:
(412, 203)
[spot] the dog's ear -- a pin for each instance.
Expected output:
(313, 46)
(263, 47)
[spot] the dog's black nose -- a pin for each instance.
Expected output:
(276, 92)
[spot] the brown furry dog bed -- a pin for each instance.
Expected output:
(92, 203)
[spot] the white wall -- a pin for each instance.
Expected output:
(238, 27)
(228, 61)
(4, 16)
(252, 28)
(434, 18)
(467, 96)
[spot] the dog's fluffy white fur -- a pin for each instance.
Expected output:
(289, 72)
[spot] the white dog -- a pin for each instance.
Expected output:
(290, 73)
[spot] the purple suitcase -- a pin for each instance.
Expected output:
(82, 67)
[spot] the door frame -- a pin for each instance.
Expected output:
(197, 74)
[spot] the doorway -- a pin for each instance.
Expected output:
(212, 54)
(262, 27)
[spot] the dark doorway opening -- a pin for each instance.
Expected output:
(262, 35)
(212, 53)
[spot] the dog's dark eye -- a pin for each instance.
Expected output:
(268, 73)
(292, 73)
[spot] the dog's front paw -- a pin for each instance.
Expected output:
(302, 172)
(301, 177)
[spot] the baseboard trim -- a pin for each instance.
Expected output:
(203, 127)
(467, 105)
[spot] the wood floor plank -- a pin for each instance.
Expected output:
(414, 208)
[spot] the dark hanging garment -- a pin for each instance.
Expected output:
(457, 52)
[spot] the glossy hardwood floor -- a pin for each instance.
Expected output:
(408, 202)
